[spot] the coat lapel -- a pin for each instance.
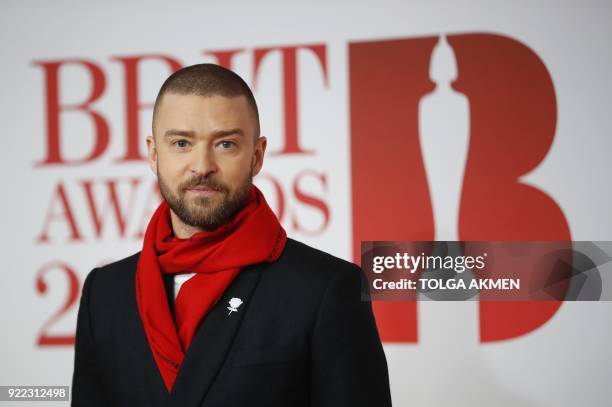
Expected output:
(213, 338)
(149, 376)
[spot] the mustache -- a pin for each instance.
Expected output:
(203, 181)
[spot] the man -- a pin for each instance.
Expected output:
(220, 308)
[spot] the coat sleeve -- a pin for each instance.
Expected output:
(86, 380)
(347, 361)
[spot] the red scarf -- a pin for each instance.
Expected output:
(253, 236)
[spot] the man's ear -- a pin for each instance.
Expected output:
(152, 154)
(258, 155)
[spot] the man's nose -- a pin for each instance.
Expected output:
(203, 162)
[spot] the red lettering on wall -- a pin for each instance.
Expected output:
(280, 197)
(312, 201)
(120, 217)
(45, 338)
(152, 202)
(133, 105)
(55, 108)
(65, 215)
(290, 91)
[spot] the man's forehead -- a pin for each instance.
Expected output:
(176, 104)
(181, 100)
(187, 110)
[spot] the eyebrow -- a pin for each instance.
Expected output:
(177, 132)
(215, 134)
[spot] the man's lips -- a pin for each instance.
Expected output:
(203, 190)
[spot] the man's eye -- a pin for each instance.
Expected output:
(180, 143)
(226, 144)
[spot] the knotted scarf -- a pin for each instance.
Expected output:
(253, 235)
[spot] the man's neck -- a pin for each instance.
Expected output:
(181, 229)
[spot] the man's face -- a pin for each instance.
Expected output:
(205, 154)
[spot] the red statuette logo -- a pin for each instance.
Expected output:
(512, 123)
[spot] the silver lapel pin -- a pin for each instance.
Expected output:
(234, 303)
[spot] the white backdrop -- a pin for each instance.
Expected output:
(59, 221)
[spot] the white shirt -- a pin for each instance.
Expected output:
(179, 280)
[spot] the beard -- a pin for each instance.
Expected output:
(207, 213)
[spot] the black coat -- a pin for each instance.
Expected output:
(302, 337)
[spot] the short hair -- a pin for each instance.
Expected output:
(206, 80)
